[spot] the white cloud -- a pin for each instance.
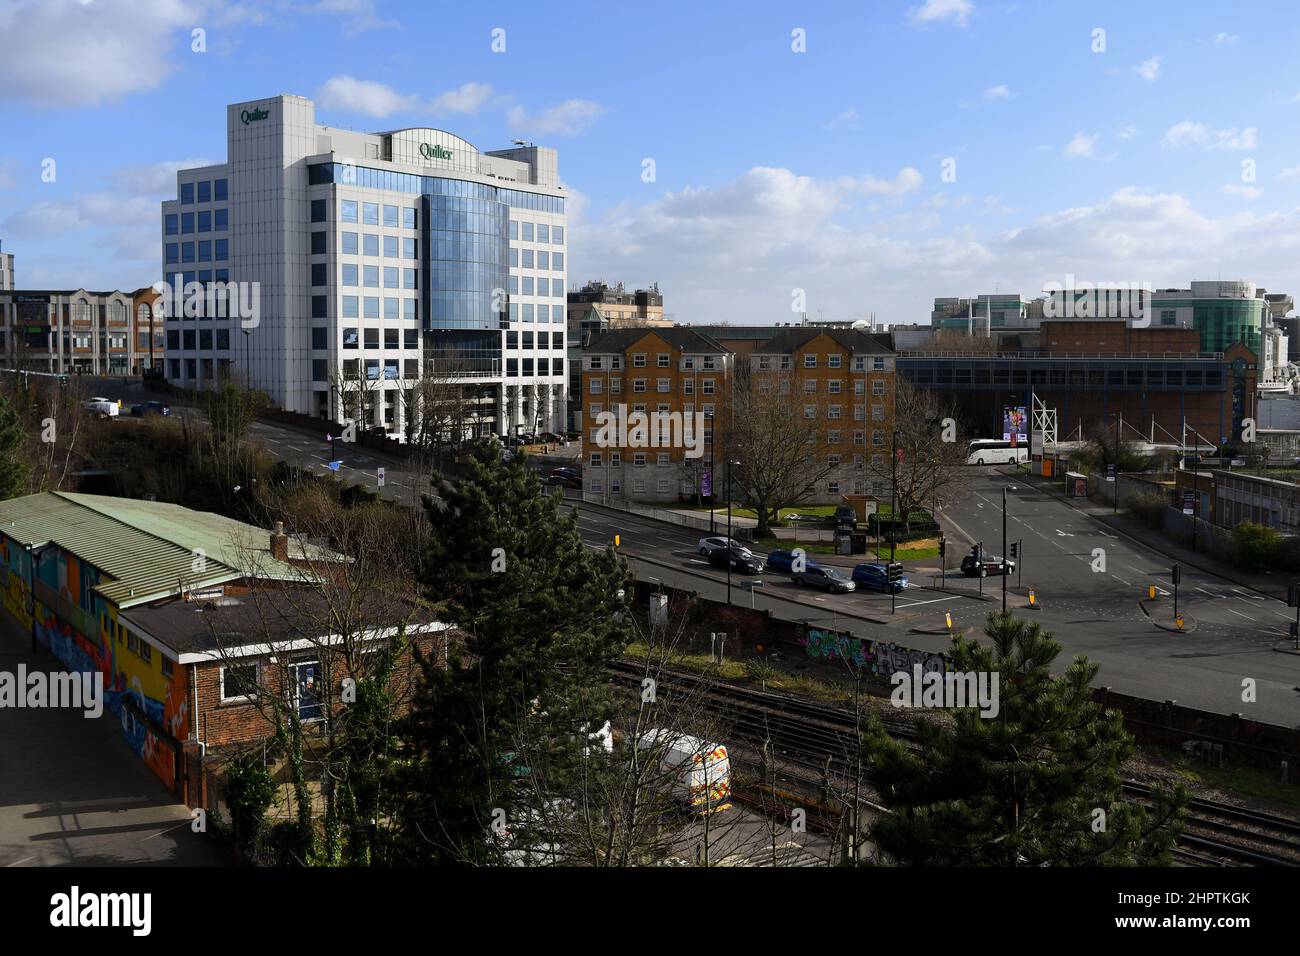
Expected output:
(1126, 133)
(1187, 133)
(563, 119)
(1291, 172)
(1080, 145)
(357, 16)
(938, 11)
(69, 53)
(1245, 192)
(364, 96)
(379, 100)
(907, 181)
(466, 98)
(158, 179)
(849, 119)
(1148, 69)
(1222, 38)
(999, 92)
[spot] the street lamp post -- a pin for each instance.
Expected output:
(1005, 489)
(730, 553)
(713, 477)
(893, 519)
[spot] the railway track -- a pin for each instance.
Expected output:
(816, 741)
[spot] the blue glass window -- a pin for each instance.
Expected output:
(223, 275)
(221, 250)
(205, 250)
(512, 285)
(349, 243)
(173, 252)
(543, 232)
(205, 221)
(514, 258)
(219, 190)
(557, 235)
(205, 191)
(187, 252)
(187, 222)
(514, 229)
(390, 216)
(528, 312)
(409, 247)
(526, 258)
(526, 231)
(348, 210)
(408, 309)
(543, 260)
(390, 247)
(350, 338)
(370, 243)
(408, 279)
(319, 274)
(318, 210)
(557, 261)
(557, 288)
(392, 280)
(370, 213)
(390, 308)
(350, 307)
(351, 273)
(372, 307)
(187, 193)
(372, 277)
(528, 286)
(170, 224)
(408, 218)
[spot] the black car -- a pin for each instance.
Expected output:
(846, 517)
(564, 478)
(150, 408)
(988, 564)
(746, 562)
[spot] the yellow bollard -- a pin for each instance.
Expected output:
(947, 616)
(1151, 591)
(1179, 622)
(1033, 598)
(616, 541)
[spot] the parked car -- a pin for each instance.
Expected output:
(698, 771)
(102, 407)
(150, 408)
(782, 559)
(846, 517)
(550, 438)
(707, 545)
(828, 579)
(746, 562)
(563, 478)
(989, 564)
(876, 577)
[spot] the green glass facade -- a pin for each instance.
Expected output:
(1222, 322)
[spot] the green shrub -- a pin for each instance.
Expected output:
(1149, 508)
(1256, 546)
(250, 792)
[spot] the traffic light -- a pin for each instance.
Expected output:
(894, 572)
(1015, 547)
(1177, 574)
(943, 547)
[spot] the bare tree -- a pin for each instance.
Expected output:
(772, 430)
(930, 458)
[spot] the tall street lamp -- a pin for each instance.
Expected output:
(1005, 489)
(730, 553)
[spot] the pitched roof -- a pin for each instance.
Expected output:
(790, 340)
(147, 549)
(682, 339)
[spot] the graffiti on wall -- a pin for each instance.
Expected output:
(881, 658)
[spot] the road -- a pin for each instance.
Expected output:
(1234, 633)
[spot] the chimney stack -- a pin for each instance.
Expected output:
(279, 543)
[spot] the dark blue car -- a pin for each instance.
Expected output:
(782, 560)
(876, 576)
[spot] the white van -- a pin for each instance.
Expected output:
(701, 769)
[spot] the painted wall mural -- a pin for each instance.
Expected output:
(126, 672)
(881, 658)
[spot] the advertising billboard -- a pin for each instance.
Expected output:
(1015, 424)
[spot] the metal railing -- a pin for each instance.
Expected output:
(1068, 356)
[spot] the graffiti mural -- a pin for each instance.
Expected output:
(881, 658)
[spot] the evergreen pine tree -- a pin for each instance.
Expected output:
(500, 732)
(1024, 787)
(13, 466)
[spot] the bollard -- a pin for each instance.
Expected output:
(1151, 592)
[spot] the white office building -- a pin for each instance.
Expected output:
(384, 263)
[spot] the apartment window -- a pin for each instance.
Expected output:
(707, 386)
(638, 459)
(638, 360)
(238, 682)
(663, 384)
(877, 387)
(810, 386)
(832, 438)
(663, 360)
(859, 437)
(638, 385)
(810, 361)
(878, 363)
(832, 361)
(833, 412)
(877, 413)
(615, 386)
(594, 387)
(835, 386)
(810, 411)
(688, 386)
(833, 461)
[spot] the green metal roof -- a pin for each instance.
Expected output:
(148, 549)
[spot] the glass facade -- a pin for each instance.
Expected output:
(466, 256)
(1221, 321)
(367, 178)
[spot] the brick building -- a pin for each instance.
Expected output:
(76, 331)
(173, 607)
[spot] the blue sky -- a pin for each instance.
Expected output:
(775, 170)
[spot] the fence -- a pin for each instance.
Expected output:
(684, 520)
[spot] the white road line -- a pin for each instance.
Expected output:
(1239, 614)
(1121, 580)
(935, 601)
(1210, 593)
